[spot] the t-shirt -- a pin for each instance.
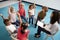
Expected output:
(22, 12)
(11, 28)
(54, 28)
(13, 17)
(31, 11)
(41, 15)
(21, 36)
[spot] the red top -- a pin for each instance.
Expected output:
(21, 36)
(21, 11)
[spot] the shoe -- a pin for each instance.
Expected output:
(35, 25)
(1, 15)
(37, 36)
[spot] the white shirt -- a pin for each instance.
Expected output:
(31, 11)
(53, 28)
(11, 28)
(12, 17)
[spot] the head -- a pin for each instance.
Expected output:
(54, 17)
(7, 22)
(24, 27)
(45, 9)
(30, 6)
(21, 5)
(11, 9)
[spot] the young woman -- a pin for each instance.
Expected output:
(23, 32)
(13, 15)
(31, 12)
(40, 17)
(53, 24)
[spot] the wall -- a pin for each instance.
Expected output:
(55, 4)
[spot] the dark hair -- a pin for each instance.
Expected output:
(24, 27)
(30, 6)
(5, 21)
(55, 17)
(44, 7)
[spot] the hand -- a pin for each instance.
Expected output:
(44, 25)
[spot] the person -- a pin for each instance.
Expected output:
(8, 25)
(23, 32)
(54, 24)
(40, 17)
(31, 12)
(13, 15)
(22, 11)
(41, 14)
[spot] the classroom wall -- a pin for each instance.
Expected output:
(55, 4)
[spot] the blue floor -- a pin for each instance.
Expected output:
(4, 35)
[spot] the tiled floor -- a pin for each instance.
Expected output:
(4, 35)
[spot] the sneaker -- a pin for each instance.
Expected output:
(37, 36)
(1, 15)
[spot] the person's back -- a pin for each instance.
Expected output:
(11, 28)
(41, 15)
(12, 14)
(23, 33)
(22, 36)
(13, 17)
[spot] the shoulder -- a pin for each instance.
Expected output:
(27, 31)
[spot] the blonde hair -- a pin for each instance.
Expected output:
(11, 9)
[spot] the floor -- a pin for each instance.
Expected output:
(4, 35)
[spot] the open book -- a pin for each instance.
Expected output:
(39, 23)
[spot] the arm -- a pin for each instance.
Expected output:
(19, 3)
(34, 5)
(9, 10)
(2, 16)
(9, 13)
(19, 18)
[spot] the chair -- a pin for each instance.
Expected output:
(55, 28)
(13, 36)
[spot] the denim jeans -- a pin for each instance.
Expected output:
(31, 18)
(24, 18)
(17, 23)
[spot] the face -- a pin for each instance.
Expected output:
(8, 22)
(31, 7)
(46, 9)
